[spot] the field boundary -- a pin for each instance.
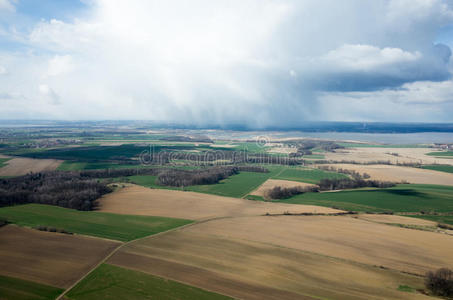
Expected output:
(104, 260)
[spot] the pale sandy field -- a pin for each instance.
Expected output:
(401, 174)
(394, 219)
(407, 250)
(250, 270)
(50, 258)
(22, 165)
(271, 183)
(406, 155)
(137, 200)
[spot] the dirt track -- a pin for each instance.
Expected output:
(251, 270)
(21, 166)
(137, 200)
(49, 258)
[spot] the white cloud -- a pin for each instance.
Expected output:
(258, 62)
(7, 5)
(367, 57)
(3, 70)
(60, 64)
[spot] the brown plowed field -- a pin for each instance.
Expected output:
(136, 200)
(251, 270)
(49, 258)
(408, 250)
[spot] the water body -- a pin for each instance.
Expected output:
(384, 138)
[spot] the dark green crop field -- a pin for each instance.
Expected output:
(441, 168)
(19, 289)
(402, 198)
(99, 224)
(307, 175)
(441, 153)
(112, 282)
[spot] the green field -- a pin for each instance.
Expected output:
(441, 168)
(402, 198)
(19, 289)
(237, 185)
(112, 282)
(314, 156)
(441, 153)
(3, 161)
(307, 175)
(105, 225)
(438, 219)
(78, 166)
(245, 182)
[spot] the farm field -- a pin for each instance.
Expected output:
(136, 200)
(440, 168)
(401, 174)
(105, 225)
(396, 220)
(271, 183)
(393, 155)
(49, 258)
(441, 153)
(341, 237)
(402, 198)
(19, 289)
(306, 175)
(237, 185)
(20, 166)
(439, 219)
(108, 280)
(246, 269)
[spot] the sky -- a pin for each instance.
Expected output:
(256, 63)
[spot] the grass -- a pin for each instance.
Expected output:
(2, 161)
(19, 289)
(314, 156)
(440, 153)
(112, 282)
(254, 197)
(307, 175)
(406, 288)
(105, 225)
(237, 185)
(441, 168)
(245, 182)
(77, 166)
(402, 198)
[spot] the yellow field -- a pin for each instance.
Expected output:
(400, 174)
(21, 166)
(406, 155)
(136, 200)
(271, 183)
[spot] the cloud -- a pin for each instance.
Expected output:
(3, 70)
(252, 62)
(49, 93)
(6, 5)
(60, 64)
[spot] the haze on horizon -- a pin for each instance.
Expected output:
(253, 62)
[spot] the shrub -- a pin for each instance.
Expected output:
(440, 282)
